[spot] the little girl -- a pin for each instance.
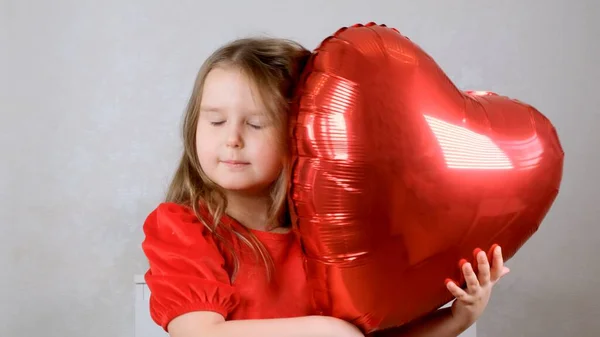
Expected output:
(223, 261)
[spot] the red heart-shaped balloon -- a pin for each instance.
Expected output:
(397, 175)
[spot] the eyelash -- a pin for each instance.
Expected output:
(256, 127)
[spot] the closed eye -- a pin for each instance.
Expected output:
(217, 123)
(255, 126)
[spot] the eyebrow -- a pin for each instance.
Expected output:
(209, 108)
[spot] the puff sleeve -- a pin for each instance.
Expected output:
(186, 269)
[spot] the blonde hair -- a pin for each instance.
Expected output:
(274, 66)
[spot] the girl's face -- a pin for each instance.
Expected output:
(236, 144)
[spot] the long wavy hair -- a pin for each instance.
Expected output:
(274, 66)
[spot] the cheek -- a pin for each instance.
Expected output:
(271, 156)
(204, 150)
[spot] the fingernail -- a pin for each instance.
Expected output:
(476, 252)
(461, 263)
(480, 257)
(498, 251)
(448, 280)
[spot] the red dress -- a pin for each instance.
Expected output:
(189, 271)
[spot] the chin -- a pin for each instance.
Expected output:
(245, 188)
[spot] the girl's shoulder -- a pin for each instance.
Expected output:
(174, 211)
(175, 222)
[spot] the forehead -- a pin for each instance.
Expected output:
(229, 89)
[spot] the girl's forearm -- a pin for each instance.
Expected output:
(308, 326)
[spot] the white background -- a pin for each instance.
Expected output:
(92, 94)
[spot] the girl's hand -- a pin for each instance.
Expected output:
(471, 302)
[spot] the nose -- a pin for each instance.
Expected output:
(234, 137)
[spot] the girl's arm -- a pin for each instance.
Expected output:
(211, 324)
(469, 303)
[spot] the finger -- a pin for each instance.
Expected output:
(490, 254)
(456, 291)
(470, 277)
(497, 264)
(483, 267)
(461, 263)
(476, 265)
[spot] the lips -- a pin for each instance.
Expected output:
(235, 163)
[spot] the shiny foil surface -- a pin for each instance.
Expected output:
(397, 175)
